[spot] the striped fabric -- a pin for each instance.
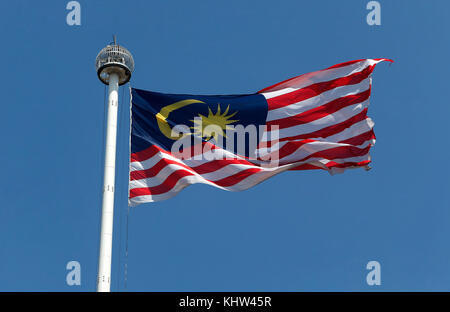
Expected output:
(314, 121)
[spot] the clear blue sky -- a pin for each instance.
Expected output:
(299, 231)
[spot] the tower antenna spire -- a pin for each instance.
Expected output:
(114, 65)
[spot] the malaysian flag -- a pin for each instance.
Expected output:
(314, 121)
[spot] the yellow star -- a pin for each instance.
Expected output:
(213, 125)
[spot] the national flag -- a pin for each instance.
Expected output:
(313, 121)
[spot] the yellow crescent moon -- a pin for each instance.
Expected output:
(162, 116)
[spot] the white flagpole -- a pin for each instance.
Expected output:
(114, 66)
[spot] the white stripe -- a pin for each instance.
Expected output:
(318, 124)
(316, 77)
(195, 161)
(322, 162)
(321, 99)
(148, 163)
(314, 147)
(179, 186)
(272, 153)
(216, 175)
(354, 130)
(246, 183)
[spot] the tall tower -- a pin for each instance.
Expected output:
(114, 65)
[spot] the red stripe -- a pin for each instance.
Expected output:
(328, 131)
(210, 166)
(320, 111)
(317, 88)
(153, 171)
(153, 149)
(340, 152)
(345, 64)
(351, 150)
(316, 72)
(333, 164)
(356, 61)
(268, 144)
(173, 178)
(207, 167)
(292, 146)
(306, 167)
(360, 139)
(218, 164)
(145, 154)
(164, 187)
(236, 178)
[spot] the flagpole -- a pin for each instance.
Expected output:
(114, 66)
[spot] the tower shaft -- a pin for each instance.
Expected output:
(106, 235)
(114, 65)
